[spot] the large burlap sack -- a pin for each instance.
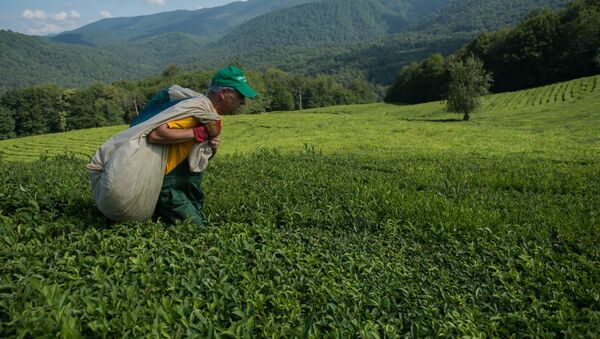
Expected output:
(126, 172)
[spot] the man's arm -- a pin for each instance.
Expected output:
(165, 135)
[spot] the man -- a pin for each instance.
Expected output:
(181, 196)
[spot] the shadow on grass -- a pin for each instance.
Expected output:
(434, 120)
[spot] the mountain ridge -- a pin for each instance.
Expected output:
(207, 23)
(29, 60)
(375, 37)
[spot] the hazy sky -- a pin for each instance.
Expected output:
(41, 17)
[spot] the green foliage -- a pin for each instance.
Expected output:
(7, 124)
(323, 91)
(524, 117)
(120, 48)
(33, 109)
(95, 106)
(331, 45)
(318, 37)
(313, 24)
(482, 15)
(171, 71)
(261, 102)
(398, 228)
(360, 92)
(279, 91)
(546, 47)
(43, 109)
(418, 83)
(469, 81)
(29, 60)
(443, 31)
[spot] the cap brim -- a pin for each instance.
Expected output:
(246, 91)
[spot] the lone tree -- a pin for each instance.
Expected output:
(468, 82)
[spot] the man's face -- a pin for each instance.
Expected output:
(233, 100)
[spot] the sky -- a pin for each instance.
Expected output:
(43, 17)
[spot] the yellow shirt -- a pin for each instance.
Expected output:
(179, 152)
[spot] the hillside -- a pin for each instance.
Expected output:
(345, 22)
(204, 24)
(325, 22)
(378, 60)
(375, 37)
(157, 51)
(481, 15)
(372, 37)
(28, 60)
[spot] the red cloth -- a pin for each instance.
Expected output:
(202, 133)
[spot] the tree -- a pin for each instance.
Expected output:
(7, 124)
(579, 39)
(64, 102)
(298, 86)
(422, 82)
(281, 98)
(35, 108)
(544, 48)
(468, 82)
(95, 106)
(361, 92)
(172, 71)
(322, 91)
(403, 88)
(528, 51)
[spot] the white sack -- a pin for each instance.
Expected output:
(127, 171)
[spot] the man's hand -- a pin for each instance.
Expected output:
(207, 131)
(214, 143)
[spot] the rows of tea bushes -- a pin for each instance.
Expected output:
(81, 143)
(378, 126)
(305, 244)
(568, 91)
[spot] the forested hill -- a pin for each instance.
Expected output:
(374, 37)
(481, 15)
(28, 60)
(326, 22)
(204, 24)
(351, 21)
(371, 37)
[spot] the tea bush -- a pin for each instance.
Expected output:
(310, 244)
(350, 221)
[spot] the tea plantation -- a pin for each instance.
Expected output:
(350, 221)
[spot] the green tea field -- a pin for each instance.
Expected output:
(348, 221)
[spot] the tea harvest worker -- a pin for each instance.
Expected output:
(181, 195)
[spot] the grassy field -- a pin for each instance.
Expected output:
(552, 121)
(369, 220)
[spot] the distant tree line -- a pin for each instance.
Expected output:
(50, 108)
(546, 47)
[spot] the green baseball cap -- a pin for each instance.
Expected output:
(233, 77)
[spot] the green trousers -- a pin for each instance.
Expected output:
(181, 196)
